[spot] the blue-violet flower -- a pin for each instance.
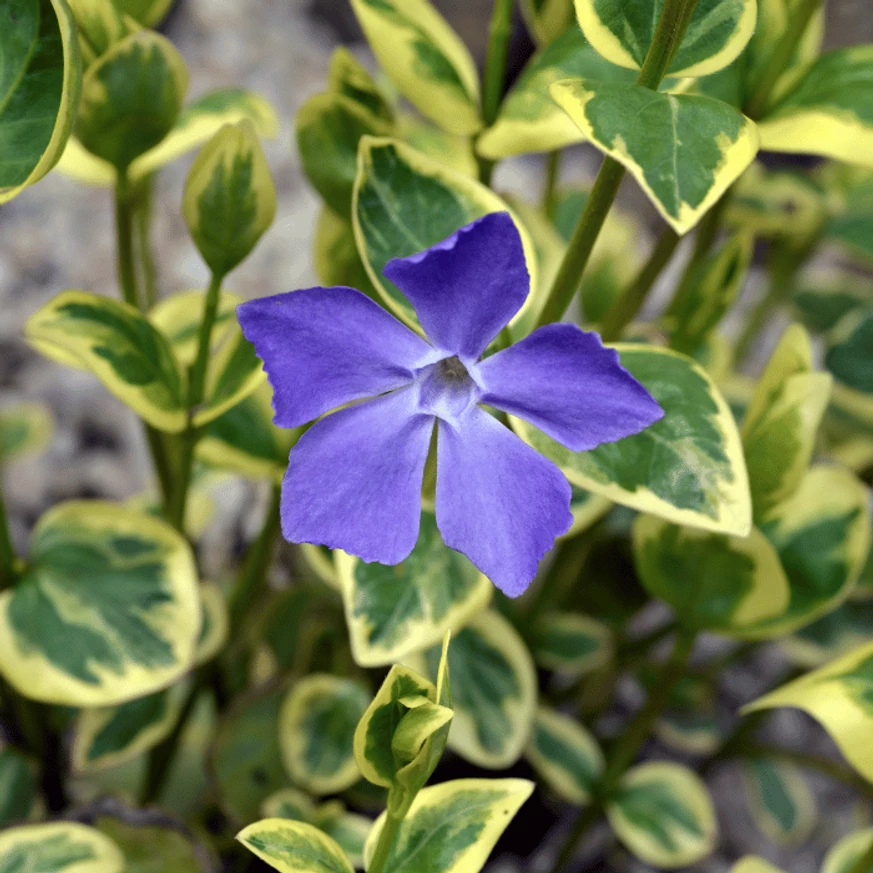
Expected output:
(354, 478)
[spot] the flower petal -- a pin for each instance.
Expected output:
(566, 383)
(323, 347)
(497, 500)
(354, 480)
(467, 287)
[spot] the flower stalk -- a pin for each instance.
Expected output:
(494, 76)
(124, 235)
(672, 24)
(387, 839)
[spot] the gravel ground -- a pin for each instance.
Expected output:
(59, 235)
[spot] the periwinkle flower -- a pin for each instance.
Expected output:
(354, 478)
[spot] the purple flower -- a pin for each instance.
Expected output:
(354, 479)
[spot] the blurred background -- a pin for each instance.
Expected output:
(59, 235)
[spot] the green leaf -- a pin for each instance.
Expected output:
(131, 98)
(449, 149)
(823, 299)
(840, 697)
(713, 289)
(622, 32)
(25, 428)
(850, 350)
(99, 24)
(151, 849)
(350, 78)
(40, 85)
(245, 757)
(565, 756)
(663, 814)
(425, 59)
(822, 535)
(107, 611)
(348, 829)
(687, 468)
(692, 733)
(60, 847)
(494, 691)
(147, 12)
(834, 634)
(779, 430)
(847, 853)
(393, 181)
(197, 122)
(753, 864)
(316, 731)
(329, 127)
(547, 19)
(119, 346)
(112, 735)
(294, 847)
(452, 827)
(394, 611)
(290, 803)
(780, 801)
(829, 111)
(732, 585)
(570, 642)
(684, 150)
(337, 261)
(17, 786)
(229, 200)
(529, 120)
(243, 440)
(216, 623)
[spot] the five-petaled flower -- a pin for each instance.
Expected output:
(354, 479)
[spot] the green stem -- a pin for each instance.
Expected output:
(8, 573)
(799, 20)
(629, 744)
(254, 570)
(494, 78)
(124, 232)
(387, 838)
(196, 382)
(553, 172)
(671, 27)
(142, 217)
(625, 308)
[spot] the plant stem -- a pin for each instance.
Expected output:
(629, 744)
(553, 172)
(254, 570)
(625, 308)
(7, 552)
(124, 233)
(142, 217)
(387, 838)
(494, 78)
(799, 20)
(196, 382)
(671, 27)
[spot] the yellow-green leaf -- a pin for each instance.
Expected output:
(455, 151)
(570, 642)
(119, 346)
(547, 19)
(753, 864)
(147, 12)
(452, 827)
(393, 181)
(230, 199)
(622, 32)
(494, 690)
(728, 584)
(40, 85)
(425, 59)
(348, 76)
(828, 111)
(780, 800)
(131, 98)
(107, 611)
(395, 611)
(99, 24)
(151, 848)
(25, 428)
(683, 150)
(840, 696)
(294, 847)
(337, 261)
(845, 855)
(834, 634)
(687, 468)
(316, 731)
(664, 815)
(529, 120)
(565, 755)
(59, 847)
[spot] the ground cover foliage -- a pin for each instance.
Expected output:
(312, 711)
